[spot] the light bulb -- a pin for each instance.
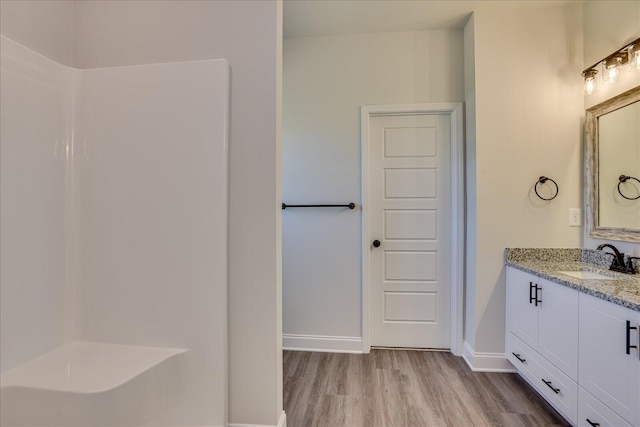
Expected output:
(611, 70)
(634, 58)
(590, 84)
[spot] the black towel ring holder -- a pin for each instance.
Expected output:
(542, 180)
(625, 178)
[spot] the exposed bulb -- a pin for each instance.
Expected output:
(611, 70)
(590, 84)
(634, 58)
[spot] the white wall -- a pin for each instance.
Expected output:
(110, 33)
(326, 80)
(150, 189)
(35, 134)
(45, 26)
(528, 123)
(608, 26)
(32, 217)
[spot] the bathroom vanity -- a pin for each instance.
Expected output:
(573, 333)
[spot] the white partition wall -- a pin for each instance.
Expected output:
(151, 174)
(114, 226)
(35, 118)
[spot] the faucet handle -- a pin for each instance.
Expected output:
(630, 267)
(617, 261)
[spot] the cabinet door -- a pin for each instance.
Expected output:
(522, 318)
(635, 367)
(558, 326)
(606, 371)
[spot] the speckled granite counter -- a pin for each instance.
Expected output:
(622, 289)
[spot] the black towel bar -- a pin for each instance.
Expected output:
(350, 206)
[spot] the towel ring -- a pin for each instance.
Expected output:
(625, 178)
(542, 180)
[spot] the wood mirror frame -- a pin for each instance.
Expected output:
(591, 169)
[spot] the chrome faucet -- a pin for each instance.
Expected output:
(618, 259)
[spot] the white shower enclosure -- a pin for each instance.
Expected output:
(113, 228)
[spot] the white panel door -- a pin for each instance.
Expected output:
(410, 203)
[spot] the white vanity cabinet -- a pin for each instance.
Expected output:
(542, 337)
(580, 352)
(609, 361)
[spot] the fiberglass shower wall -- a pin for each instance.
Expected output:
(114, 214)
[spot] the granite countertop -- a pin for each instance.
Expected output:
(622, 289)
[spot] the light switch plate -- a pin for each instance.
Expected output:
(575, 217)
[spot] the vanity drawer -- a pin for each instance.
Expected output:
(559, 390)
(593, 412)
(544, 377)
(522, 357)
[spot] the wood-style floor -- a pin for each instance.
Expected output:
(405, 388)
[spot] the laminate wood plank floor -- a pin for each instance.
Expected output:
(395, 388)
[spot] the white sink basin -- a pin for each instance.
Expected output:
(583, 274)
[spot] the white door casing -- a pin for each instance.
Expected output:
(412, 165)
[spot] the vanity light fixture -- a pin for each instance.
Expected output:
(612, 66)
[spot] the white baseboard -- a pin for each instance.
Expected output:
(281, 423)
(486, 362)
(322, 343)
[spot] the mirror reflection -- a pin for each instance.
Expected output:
(619, 167)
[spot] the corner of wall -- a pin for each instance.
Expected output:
(486, 362)
(470, 185)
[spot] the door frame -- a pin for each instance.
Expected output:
(454, 110)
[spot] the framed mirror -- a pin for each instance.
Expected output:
(612, 165)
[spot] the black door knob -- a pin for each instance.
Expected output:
(376, 243)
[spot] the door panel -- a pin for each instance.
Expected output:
(411, 306)
(412, 225)
(410, 183)
(418, 266)
(409, 164)
(410, 142)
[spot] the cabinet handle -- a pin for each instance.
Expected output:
(592, 423)
(519, 358)
(629, 328)
(533, 296)
(550, 385)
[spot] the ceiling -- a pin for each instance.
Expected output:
(307, 18)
